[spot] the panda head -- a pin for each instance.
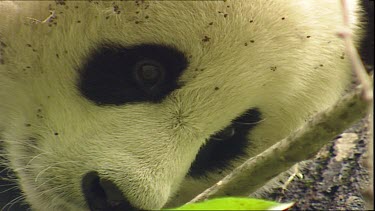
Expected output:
(127, 105)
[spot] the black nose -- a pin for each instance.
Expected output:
(103, 195)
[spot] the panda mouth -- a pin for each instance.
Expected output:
(103, 195)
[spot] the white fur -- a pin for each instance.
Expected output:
(147, 148)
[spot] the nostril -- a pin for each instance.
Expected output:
(103, 195)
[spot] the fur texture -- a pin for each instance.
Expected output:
(281, 56)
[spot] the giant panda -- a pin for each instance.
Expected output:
(128, 105)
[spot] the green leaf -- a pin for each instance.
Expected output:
(235, 203)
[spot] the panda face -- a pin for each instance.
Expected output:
(143, 104)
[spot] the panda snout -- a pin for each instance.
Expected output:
(103, 195)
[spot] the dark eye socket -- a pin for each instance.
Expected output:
(229, 144)
(149, 73)
(114, 74)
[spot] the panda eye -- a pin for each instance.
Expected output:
(113, 74)
(149, 73)
(226, 133)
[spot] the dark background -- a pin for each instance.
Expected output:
(367, 46)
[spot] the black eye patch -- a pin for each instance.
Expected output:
(115, 75)
(226, 145)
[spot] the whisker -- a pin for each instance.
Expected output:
(12, 202)
(5, 185)
(43, 183)
(41, 172)
(31, 160)
(9, 189)
(249, 123)
(53, 166)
